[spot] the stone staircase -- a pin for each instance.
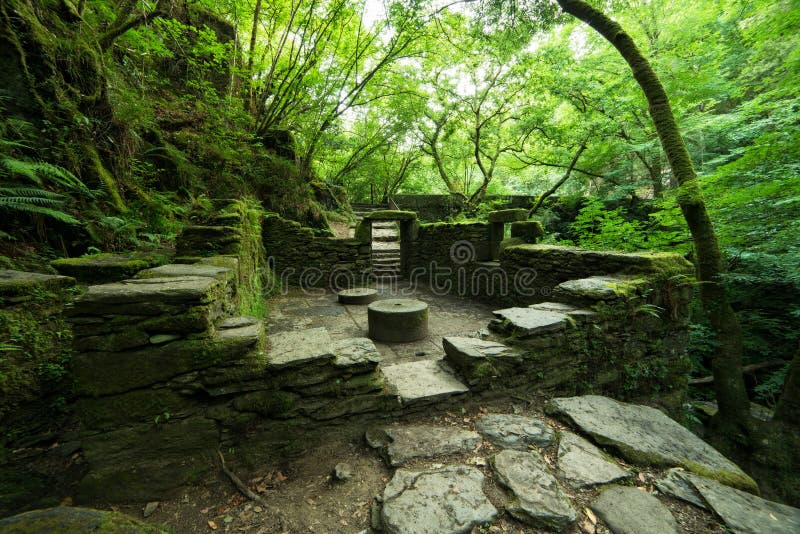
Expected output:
(385, 244)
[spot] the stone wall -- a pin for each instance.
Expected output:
(298, 257)
(437, 252)
(433, 208)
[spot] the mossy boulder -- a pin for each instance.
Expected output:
(105, 267)
(391, 215)
(506, 216)
(66, 520)
(511, 242)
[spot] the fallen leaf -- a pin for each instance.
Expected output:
(67, 501)
(590, 515)
(343, 522)
(641, 477)
(311, 502)
(212, 525)
(280, 477)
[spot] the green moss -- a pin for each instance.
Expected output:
(391, 215)
(363, 232)
(107, 267)
(280, 404)
(529, 230)
(64, 520)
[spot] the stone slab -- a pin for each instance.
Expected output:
(538, 499)
(16, 283)
(184, 289)
(296, 348)
(173, 270)
(358, 353)
(401, 444)
(745, 513)
(516, 432)
(237, 322)
(675, 484)
(422, 381)
(645, 436)
(531, 321)
(582, 464)
(436, 501)
(464, 349)
(628, 510)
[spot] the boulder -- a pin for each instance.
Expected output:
(515, 431)
(628, 510)
(582, 464)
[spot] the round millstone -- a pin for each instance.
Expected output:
(398, 320)
(359, 295)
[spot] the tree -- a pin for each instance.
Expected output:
(734, 406)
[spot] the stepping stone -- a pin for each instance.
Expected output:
(596, 288)
(676, 484)
(645, 436)
(629, 510)
(182, 289)
(582, 464)
(359, 295)
(526, 322)
(467, 352)
(106, 267)
(435, 501)
(422, 382)
(746, 513)
(402, 444)
(20, 283)
(515, 431)
(173, 270)
(237, 322)
(356, 354)
(296, 348)
(538, 499)
(398, 320)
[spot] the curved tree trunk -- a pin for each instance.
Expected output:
(727, 367)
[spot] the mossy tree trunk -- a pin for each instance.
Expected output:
(727, 367)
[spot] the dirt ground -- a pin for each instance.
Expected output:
(302, 495)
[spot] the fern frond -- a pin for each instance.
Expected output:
(22, 168)
(44, 211)
(16, 191)
(13, 202)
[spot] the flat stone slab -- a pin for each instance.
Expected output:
(422, 381)
(250, 333)
(582, 464)
(106, 267)
(173, 270)
(183, 289)
(359, 295)
(401, 444)
(436, 501)
(676, 484)
(466, 350)
(237, 322)
(17, 283)
(356, 353)
(596, 288)
(516, 432)
(531, 321)
(744, 512)
(645, 436)
(508, 215)
(539, 500)
(628, 510)
(295, 348)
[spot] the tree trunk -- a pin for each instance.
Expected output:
(727, 366)
(251, 95)
(558, 184)
(788, 408)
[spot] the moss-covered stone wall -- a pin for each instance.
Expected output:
(298, 257)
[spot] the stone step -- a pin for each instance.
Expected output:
(424, 382)
(538, 319)
(386, 253)
(386, 262)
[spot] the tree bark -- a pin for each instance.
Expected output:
(788, 408)
(727, 360)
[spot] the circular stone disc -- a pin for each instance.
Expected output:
(359, 295)
(398, 320)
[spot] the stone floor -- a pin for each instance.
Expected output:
(448, 316)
